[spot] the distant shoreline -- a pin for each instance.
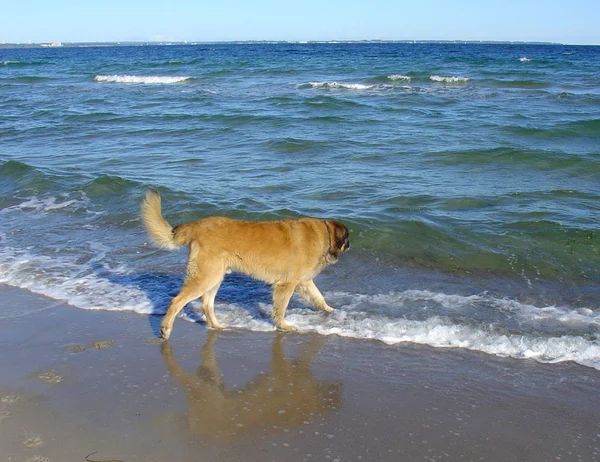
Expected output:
(269, 42)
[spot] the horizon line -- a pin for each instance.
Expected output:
(57, 43)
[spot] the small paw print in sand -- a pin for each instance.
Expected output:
(74, 348)
(50, 377)
(33, 442)
(4, 415)
(10, 399)
(103, 344)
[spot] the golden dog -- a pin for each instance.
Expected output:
(287, 254)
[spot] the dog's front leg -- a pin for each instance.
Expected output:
(309, 292)
(282, 292)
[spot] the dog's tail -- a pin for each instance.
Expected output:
(160, 231)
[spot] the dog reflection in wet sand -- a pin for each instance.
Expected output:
(287, 397)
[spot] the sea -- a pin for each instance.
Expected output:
(468, 175)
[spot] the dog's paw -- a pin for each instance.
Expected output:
(284, 326)
(165, 332)
(218, 325)
(327, 309)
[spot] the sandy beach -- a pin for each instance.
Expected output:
(78, 382)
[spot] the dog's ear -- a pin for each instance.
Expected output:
(340, 237)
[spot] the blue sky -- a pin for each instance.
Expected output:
(573, 21)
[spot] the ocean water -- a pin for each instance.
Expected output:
(469, 176)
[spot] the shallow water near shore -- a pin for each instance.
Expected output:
(467, 175)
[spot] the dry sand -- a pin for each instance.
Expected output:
(75, 382)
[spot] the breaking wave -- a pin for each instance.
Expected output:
(481, 322)
(448, 79)
(340, 86)
(140, 79)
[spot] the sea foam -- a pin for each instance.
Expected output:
(416, 316)
(448, 79)
(404, 78)
(140, 79)
(44, 205)
(341, 86)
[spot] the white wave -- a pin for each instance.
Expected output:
(448, 79)
(340, 86)
(401, 77)
(64, 279)
(525, 59)
(141, 79)
(439, 321)
(42, 205)
(441, 333)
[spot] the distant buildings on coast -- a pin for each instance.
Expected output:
(33, 45)
(248, 42)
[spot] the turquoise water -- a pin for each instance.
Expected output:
(462, 170)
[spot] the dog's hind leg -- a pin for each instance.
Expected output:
(190, 291)
(204, 284)
(282, 292)
(309, 292)
(202, 275)
(208, 307)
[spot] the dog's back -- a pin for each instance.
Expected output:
(271, 251)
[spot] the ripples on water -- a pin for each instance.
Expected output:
(461, 169)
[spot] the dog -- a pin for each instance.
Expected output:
(287, 254)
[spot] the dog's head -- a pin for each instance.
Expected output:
(339, 238)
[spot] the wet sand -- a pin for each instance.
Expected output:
(76, 382)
